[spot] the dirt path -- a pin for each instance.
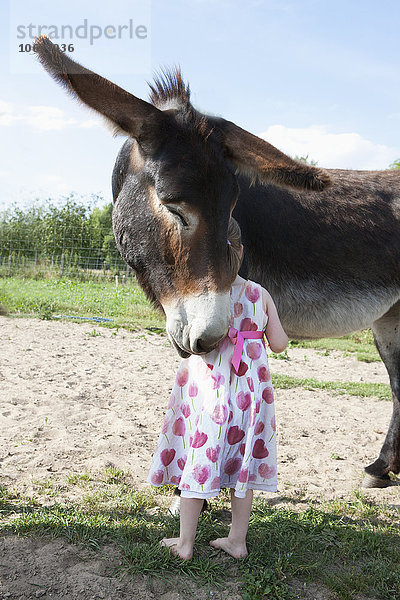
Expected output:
(72, 401)
(75, 398)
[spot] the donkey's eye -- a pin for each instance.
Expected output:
(177, 215)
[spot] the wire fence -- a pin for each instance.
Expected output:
(57, 252)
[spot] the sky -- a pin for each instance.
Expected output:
(315, 78)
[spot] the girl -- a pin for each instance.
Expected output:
(219, 429)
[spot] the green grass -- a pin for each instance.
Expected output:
(127, 306)
(361, 344)
(364, 390)
(351, 547)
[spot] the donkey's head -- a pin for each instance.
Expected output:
(174, 188)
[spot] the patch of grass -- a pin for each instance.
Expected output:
(114, 475)
(94, 333)
(360, 344)
(376, 390)
(79, 479)
(47, 487)
(127, 306)
(281, 356)
(351, 547)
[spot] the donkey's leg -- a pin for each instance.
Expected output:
(387, 339)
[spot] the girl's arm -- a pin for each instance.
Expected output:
(276, 336)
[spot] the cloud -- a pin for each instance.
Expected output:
(47, 118)
(334, 150)
(43, 118)
(6, 114)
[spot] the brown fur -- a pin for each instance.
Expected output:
(137, 160)
(125, 112)
(261, 161)
(182, 258)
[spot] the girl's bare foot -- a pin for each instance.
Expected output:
(237, 550)
(177, 548)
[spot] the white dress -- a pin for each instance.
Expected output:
(219, 428)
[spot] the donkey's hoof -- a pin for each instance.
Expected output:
(370, 481)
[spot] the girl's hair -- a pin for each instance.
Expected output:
(235, 254)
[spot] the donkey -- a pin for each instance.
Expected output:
(326, 244)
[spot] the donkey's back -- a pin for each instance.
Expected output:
(332, 259)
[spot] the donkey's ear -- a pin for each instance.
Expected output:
(259, 160)
(124, 112)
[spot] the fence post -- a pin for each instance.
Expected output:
(62, 265)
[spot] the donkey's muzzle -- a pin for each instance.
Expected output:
(197, 324)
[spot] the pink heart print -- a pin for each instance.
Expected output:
(218, 380)
(252, 293)
(157, 477)
(213, 453)
(179, 428)
(263, 373)
(220, 414)
(185, 408)
(193, 389)
(266, 471)
(232, 465)
(248, 325)
(259, 449)
(259, 428)
(235, 435)
(167, 456)
(201, 473)
(242, 368)
(215, 484)
(199, 439)
(253, 350)
(182, 376)
(182, 462)
(237, 309)
(243, 400)
(243, 475)
(268, 395)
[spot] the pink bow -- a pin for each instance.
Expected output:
(237, 338)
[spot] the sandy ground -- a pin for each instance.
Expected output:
(76, 397)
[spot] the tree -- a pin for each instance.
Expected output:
(71, 233)
(395, 164)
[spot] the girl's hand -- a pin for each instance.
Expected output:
(276, 336)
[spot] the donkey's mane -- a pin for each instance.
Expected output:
(169, 91)
(169, 87)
